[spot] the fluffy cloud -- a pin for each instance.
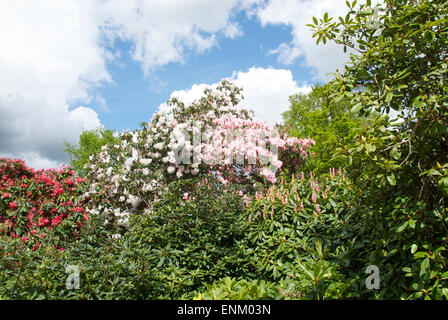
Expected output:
(50, 58)
(324, 58)
(54, 54)
(265, 91)
(162, 30)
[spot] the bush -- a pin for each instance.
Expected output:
(170, 253)
(210, 136)
(400, 164)
(105, 265)
(190, 240)
(34, 202)
(306, 230)
(232, 289)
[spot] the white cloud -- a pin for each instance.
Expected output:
(265, 91)
(54, 55)
(297, 13)
(85, 117)
(161, 30)
(50, 58)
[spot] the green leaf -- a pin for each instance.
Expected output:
(391, 180)
(424, 266)
(370, 147)
(418, 104)
(445, 292)
(395, 153)
(389, 97)
(356, 107)
(318, 245)
(402, 227)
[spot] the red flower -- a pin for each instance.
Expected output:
(43, 221)
(56, 221)
(13, 205)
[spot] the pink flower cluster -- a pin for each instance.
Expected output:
(36, 200)
(210, 136)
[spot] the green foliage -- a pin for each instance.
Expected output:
(400, 64)
(167, 254)
(191, 239)
(106, 268)
(232, 289)
(330, 124)
(303, 238)
(307, 231)
(90, 143)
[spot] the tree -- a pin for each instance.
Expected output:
(400, 63)
(90, 143)
(210, 137)
(330, 124)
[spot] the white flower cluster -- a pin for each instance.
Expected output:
(210, 136)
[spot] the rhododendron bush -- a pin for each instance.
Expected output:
(303, 224)
(211, 136)
(34, 202)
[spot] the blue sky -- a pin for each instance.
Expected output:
(74, 65)
(135, 96)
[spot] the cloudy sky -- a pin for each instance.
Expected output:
(73, 65)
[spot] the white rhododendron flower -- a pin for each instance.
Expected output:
(210, 136)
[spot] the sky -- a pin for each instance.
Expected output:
(74, 65)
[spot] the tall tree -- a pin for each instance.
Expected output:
(400, 63)
(330, 124)
(90, 143)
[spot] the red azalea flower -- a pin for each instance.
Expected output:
(56, 221)
(13, 205)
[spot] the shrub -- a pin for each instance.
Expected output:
(232, 289)
(399, 164)
(105, 265)
(189, 240)
(188, 141)
(34, 202)
(306, 230)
